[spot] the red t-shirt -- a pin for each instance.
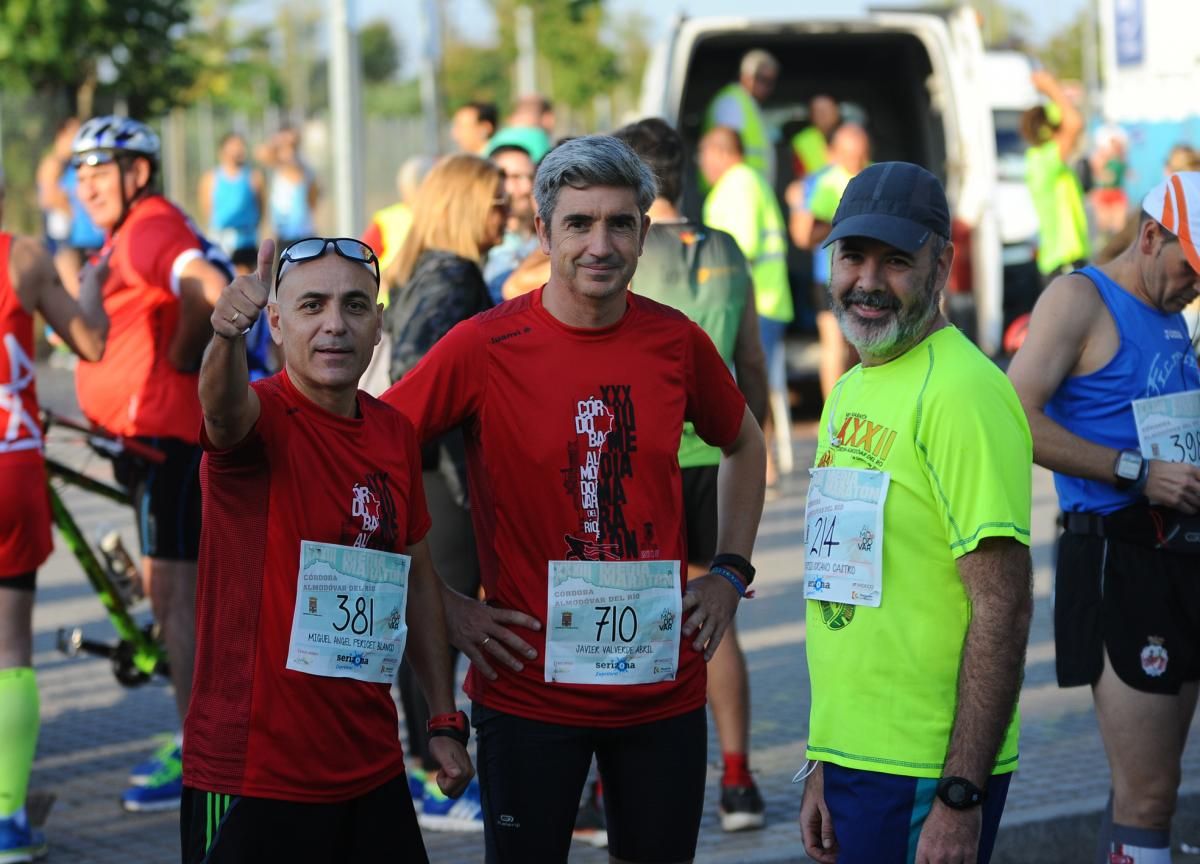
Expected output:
(255, 727)
(542, 405)
(134, 389)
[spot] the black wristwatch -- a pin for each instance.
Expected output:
(1128, 469)
(959, 793)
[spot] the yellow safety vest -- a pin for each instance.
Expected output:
(756, 143)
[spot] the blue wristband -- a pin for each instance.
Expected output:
(731, 576)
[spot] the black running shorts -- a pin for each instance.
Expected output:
(532, 774)
(700, 512)
(1140, 604)
(231, 829)
(166, 498)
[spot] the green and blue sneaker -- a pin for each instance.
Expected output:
(162, 789)
(20, 842)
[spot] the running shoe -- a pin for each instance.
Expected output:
(19, 841)
(169, 748)
(741, 808)
(161, 791)
(591, 827)
(416, 787)
(440, 813)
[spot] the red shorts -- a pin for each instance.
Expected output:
(24, 513)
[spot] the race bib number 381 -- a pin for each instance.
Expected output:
(350, 606)
(613, 622)
(843, 539)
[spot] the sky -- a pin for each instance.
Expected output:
(474, 20)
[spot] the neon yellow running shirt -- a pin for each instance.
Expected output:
(945, 423)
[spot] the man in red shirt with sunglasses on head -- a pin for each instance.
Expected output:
(292, 746)
(163, 278)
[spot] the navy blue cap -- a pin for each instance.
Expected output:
(897, 203)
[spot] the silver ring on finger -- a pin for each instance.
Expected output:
(486, 639)
(233, 318)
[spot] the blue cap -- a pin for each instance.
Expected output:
(897, 203)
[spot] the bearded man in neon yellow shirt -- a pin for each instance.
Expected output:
(917, 565)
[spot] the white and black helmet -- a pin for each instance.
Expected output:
(115, 136)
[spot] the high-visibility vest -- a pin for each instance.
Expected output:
(811, 150)
(757, 149)
(393, 222)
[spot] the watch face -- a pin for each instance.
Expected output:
(957, 793)
(1129, 466)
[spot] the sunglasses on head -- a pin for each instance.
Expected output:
(311, 248)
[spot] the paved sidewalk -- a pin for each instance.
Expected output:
(93, 730)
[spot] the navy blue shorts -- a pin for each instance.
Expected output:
(166, 497)
(878, 817)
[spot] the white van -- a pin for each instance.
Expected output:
(914, 82)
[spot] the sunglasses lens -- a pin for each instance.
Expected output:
(303, 250)
(355, 250)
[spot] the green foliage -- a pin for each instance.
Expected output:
(378, 52)
(236, 67)
(62, 47)
(1063, 52)
(579, 65)
(475, 72)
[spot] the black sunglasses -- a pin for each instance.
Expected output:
(311, 248)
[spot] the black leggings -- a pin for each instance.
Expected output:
(532, 773)
(452, 544)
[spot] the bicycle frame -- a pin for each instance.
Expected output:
(137, 655)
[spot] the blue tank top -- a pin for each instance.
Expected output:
(235, 212)
(84, 233)
(289, 208)
(1155, 358)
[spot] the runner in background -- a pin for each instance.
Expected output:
(231, 198)
(293, 191)
(1109, 380)
(29, 285)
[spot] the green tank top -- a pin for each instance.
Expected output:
(702, 273)
(1058, 200)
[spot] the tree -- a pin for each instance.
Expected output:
(579, 65)
(1063, 51)
(378, 52)
(236, 67)
(58, 50)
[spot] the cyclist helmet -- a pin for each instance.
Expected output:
(115, 135)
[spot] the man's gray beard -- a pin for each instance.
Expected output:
(901, 332)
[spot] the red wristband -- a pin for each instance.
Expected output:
(453, 726)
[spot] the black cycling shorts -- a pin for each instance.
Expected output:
(531, 776)
(232, 829)
(700, 512)
(166, 498)
(1140, 604)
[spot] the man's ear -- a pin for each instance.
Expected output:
(543, 233)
